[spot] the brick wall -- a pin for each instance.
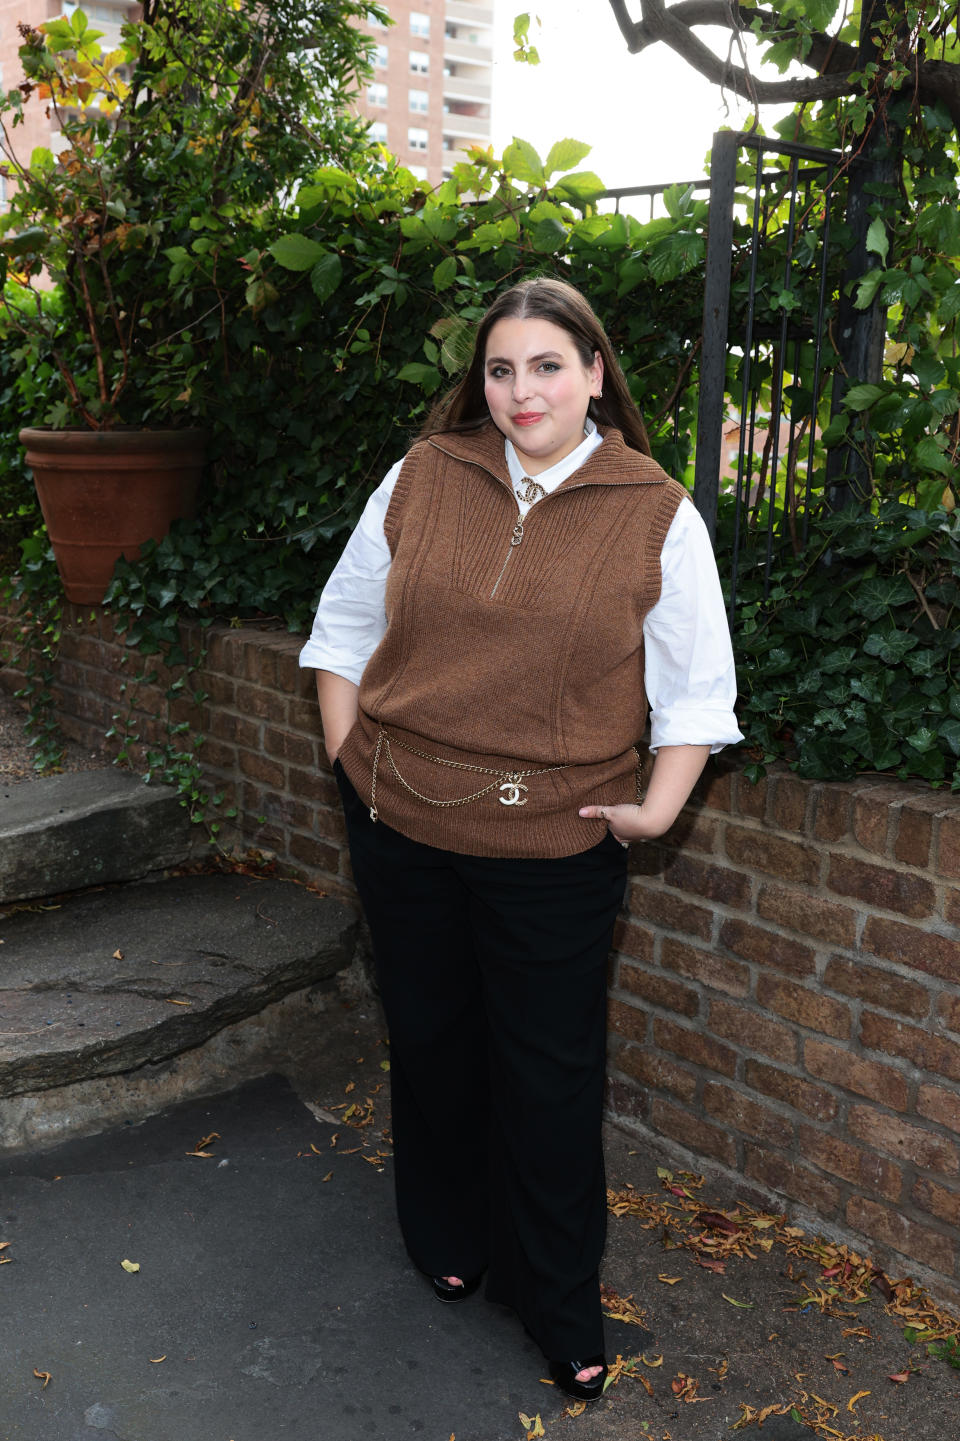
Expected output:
(785, 1001)
(785, 988)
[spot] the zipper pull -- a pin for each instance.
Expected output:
(517, 536)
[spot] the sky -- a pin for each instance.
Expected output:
(649, 117)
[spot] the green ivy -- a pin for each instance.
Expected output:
(851, 664)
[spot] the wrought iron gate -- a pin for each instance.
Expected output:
(762, 373)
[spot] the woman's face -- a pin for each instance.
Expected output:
(538, 389)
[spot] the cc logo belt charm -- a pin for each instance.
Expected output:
(512, 789)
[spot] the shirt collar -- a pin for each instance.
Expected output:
(555, 474)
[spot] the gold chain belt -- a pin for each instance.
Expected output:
(509, 782)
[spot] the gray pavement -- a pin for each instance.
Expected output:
(274, 1300)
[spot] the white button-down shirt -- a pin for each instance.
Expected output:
(688, 660)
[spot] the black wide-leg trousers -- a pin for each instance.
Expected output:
(493, 979)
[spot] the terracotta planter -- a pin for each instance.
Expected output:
(103, 493)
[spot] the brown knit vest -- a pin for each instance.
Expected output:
(521, 665)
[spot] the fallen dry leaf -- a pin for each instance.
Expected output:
(652, 1361)
(854, 1399)
(43, 1376)
(155, 1360)
(669, 1280)
(741, 1305)
(328, 1176)
(314, 1150)
(131, 1267)
(574, 1409)
(172, 1002)
(621, 1308)
(685, 1388)
(901, 1377)
(117, 956)
(533, 1426)
(201, 1147)
(717, 1221)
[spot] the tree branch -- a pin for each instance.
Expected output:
(672, 25)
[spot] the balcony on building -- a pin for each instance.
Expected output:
(466, 13)
(465, 82)
(467, 118)
(469, 40)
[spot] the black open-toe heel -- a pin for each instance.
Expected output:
(443, 1290)
(564, 1375)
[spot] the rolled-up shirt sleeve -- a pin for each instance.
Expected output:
(688, 670)
(351, 618)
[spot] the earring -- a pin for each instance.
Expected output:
(599, 395)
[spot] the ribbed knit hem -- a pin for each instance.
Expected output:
(547, 825)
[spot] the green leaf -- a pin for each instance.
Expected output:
(928, 369)
(326, 275)
(861, 397)
(890, 646)
(674, 254)
(548, 235)
(426, 376)
(522, 162)
(837, 429)
(867, 290)
(740, 1305)
(927, 454)
(949, 307)
(950, 731)
(296, 251)
(445, 273)
(874, 596)
(581, 186)
(564, 155)
(878, 241)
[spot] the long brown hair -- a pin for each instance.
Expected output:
(465, 406)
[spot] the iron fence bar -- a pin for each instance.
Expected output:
(778, 361)
(716, 314)
(788, 147)
(745, 391)
(817, 354)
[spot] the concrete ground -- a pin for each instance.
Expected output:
(274, 1300)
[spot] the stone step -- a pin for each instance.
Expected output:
(127, 977)
(88, 828)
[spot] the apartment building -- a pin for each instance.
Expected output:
(429, 97)
(39, 127)
(431, 91)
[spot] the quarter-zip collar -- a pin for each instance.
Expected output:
(612, 463)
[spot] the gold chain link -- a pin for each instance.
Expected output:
(502, 778)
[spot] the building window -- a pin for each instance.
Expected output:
(419, 62)
(380, 57)
(417, 138)
(419, 101)
(378, 132)
(419, 24)
(376, 94)
(419, 172)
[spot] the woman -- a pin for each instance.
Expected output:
(515, 590)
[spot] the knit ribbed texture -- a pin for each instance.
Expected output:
(512, 658)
